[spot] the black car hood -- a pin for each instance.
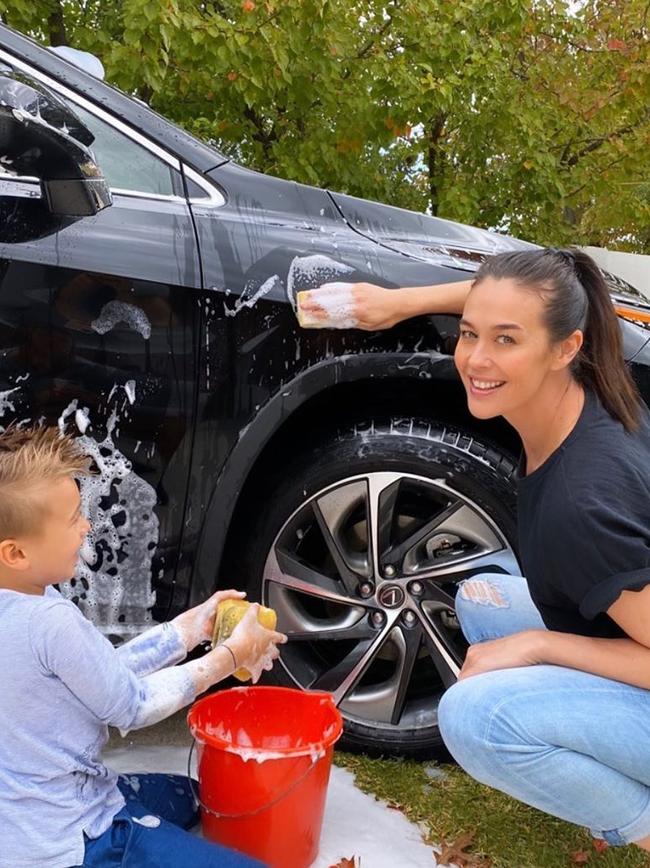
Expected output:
(431, 239)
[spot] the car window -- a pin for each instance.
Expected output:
(126, 165)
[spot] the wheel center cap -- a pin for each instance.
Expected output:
(391, 596)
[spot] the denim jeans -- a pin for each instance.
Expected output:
(151, 830)
(572, 744)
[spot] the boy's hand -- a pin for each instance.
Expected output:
(197, 624)
(254, 647)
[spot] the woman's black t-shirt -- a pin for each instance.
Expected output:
(584, 523)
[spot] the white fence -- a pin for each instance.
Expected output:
(633, 267)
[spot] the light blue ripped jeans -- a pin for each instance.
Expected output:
(571, 744)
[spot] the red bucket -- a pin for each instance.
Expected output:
(264, 759)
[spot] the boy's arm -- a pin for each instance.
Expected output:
(155, 649)
(169, 643)
(68, 646)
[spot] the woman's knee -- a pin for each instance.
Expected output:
(476, 599)
(483, 590)
(462, 719)
(491, 605)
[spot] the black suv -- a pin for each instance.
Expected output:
(147, 303)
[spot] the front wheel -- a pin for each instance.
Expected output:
(359, 549)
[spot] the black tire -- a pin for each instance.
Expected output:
(311, 537)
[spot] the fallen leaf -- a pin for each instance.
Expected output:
(580, 857)
(599, 845)
(450, 852)
(456, 853)
(395, 806)
(348, 863)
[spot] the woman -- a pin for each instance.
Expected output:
(553, 702)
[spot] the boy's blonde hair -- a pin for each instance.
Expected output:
(30, 457)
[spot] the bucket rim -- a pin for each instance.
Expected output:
(199, 735)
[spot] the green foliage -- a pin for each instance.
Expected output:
(525, 115)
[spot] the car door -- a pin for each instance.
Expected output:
(97, 334)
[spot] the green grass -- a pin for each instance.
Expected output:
(507, 833)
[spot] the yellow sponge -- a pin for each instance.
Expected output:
(229, 614)
(336, 301)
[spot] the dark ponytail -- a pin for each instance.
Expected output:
(576, 297)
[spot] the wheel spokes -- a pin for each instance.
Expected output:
(328, 516)
(412, 642)
(294, 574)
(361, 630)
(446, 661)
(498, 561)
(432, 592)
(342, 678)
(399, 552)
(382, 493)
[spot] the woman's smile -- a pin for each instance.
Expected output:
(484, 387)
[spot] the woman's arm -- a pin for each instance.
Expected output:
(438, 298)
(617, 659)
(374, 307)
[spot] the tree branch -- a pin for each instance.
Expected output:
(595, 144)
(367, 48)
(260, 135)
(592, 175)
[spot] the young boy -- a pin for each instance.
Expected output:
(62, 684)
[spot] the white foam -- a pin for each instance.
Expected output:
(129, 388)
(308, 272)
(5, 402)
(250, 300)
(113, 576)
(241, 744)
(149, 821)
(82, 419)
(134, 782)
(120, 311)
(70, 410)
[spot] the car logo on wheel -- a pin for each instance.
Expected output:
(391, 596)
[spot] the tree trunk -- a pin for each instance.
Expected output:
(435, 160)
(56, 26)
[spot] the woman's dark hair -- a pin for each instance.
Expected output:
(575, 296)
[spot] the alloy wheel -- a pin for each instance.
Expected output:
(363, 577)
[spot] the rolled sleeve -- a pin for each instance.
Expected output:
(611, 554)
(155, 649)
(604, 594)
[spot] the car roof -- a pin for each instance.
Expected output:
(131, 111)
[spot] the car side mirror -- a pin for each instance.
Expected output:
(44, 144)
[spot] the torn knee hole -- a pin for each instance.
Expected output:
(482, 592)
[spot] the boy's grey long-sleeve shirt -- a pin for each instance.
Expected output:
(62, 684)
